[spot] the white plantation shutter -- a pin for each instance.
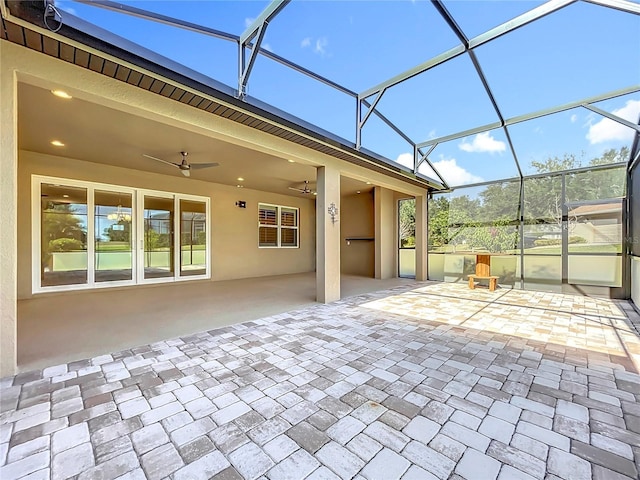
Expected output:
(277, 226)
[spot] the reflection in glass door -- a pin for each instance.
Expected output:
(63, 246)
(407, 238)
(193, 238)
(113, 236)
(158, 251)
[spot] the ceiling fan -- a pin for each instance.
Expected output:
(305, 190)
(185, 167)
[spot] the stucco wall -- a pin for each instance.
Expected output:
(234, 231)
(357, 220)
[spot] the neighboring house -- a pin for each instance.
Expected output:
(128, 102)
(598, 223)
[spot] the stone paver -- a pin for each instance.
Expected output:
(425, 381)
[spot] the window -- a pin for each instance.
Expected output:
(66, 213)
(277, 226)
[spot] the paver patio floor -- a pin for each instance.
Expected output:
(423, 381)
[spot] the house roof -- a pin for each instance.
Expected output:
(596, 209)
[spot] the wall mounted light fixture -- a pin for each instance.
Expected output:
(241, 204)
(333, 212)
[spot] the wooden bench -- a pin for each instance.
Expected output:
(493, 281)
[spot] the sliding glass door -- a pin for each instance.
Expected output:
(158, 237)
(113, 236)
(63, 241)
(193, 238)
(138, 236)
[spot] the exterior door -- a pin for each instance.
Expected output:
(157, 262)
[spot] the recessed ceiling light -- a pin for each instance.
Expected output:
(57, 143)
(315, 193)
(368, 183)
(240, 186)
(240, 179)
(65, 196)
(358, 192)
(61, 94)
(291, 161)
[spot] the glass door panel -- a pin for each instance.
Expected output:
(594, 205)
(63, 244)
(542, 234)
(158, 251)
(113, 236)
(193, 238)
(407, 238)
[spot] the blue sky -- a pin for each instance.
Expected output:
(577, 52)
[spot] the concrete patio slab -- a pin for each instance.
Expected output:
(426, 381)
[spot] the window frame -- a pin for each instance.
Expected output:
(278, 227)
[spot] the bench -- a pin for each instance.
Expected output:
(493, 281)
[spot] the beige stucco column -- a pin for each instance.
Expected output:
(421, 238)
(8, 218)
(385, 228)
(327, 235)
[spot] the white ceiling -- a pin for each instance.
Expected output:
(99, 134)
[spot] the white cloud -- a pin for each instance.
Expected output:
(321, 44)
(267, 46)
(448, 169)
(607, 130)
(574, 117)
(483, 142)
(431, 135)
(454, 174)
(248, 21)
(405, 159)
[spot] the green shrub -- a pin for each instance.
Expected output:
(65, 245)
(547, 242)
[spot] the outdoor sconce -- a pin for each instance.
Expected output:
(241, 204)
(333, 212)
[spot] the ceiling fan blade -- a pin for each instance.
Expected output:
(160, 160)
(186, 172)
(203, 165)
(297, 189)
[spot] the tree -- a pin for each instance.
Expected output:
(62, 230)
(407, 223)
(60, 221)
(491, 221)
(122, 232)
